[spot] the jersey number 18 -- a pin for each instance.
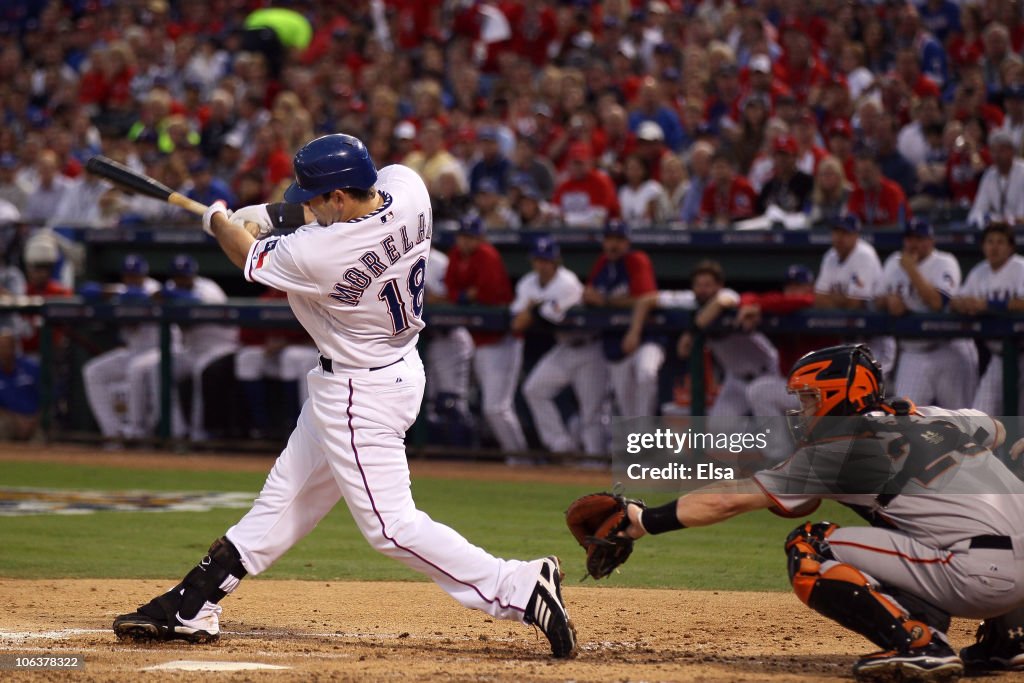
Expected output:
(391, 295)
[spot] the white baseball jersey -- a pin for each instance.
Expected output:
(1001, 285)
(340, 278)
(204, 336)
(1000, 196)
(555, 298)
(437, 266)
(939, 268)
(142, 336)
(855, 277)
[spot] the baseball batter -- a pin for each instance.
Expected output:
(923, 279)
(106, 376)
(996, 284)
(355, 281)
(944, 539)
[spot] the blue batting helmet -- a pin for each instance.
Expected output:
(184, 265)
(134, 264)
(331, 162)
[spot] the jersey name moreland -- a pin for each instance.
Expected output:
(357, 287)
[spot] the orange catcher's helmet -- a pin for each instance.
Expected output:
(837, 381)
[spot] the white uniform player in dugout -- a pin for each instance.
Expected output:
(355, 281)
(946, 516)
(994, 285)
(922, 279)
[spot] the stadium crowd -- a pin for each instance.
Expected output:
(607, 115)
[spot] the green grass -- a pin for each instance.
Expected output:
(508, 519)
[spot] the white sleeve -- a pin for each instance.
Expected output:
(826, 275)
(437, 266)
(272, 262)
(568, 293)
(864, 277)
(888, 277)
(970, 285)
(949, 277)
(523, 298)
(983, 200)
(978, 425)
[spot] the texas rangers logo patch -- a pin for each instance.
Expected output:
(264, 253)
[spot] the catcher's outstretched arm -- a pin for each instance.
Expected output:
(708, 505)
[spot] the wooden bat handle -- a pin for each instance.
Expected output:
(189, 205)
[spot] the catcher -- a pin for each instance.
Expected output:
(942, 540)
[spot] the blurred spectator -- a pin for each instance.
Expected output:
(830, 194)
(789, 188)
(476, 275)
(1013, 102)
(927, 51)
(10, 190)
(650, 106)
(997, 49)
(206, 189)
(995, 285)
(700, 176)
(90, 201)
(529, 166)
(492, 208)
(859, 78)
(621, 278)
(922, 279)
(534, 212)
(891, 162)
(839, 138)
(751, 133)
(42, 202)
(966, 163)
(587, 197)
(728, 196)
(492, 164)
(674, 180)
(432, 160)
(1001, 192)
(642, 200)
(876, 200)
(42, 254)
(106, 376)
(19, 391)
(911, 141)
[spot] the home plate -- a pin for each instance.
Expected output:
(191, 665)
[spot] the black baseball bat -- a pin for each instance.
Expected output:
(128, 179)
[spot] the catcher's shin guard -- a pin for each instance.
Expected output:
(842, 593)
(166, 616)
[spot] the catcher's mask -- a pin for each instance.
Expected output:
(837, 381)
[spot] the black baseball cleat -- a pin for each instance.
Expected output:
(932, 663)
(998, 646)
(157, 620)
(546, 610)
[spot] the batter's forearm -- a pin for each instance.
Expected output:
(233, 238)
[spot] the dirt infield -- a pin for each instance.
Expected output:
(389, 631)
(352, 631)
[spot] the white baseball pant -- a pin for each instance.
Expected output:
(106, 380)
(583, 367)
(945, 376)
(449, 356)
(496, 367)
(634, 380)
(290, 364)
(144, 392)
(350, 443)
(989, 396)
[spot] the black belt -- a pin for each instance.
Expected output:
(328, 365)
(992, 542)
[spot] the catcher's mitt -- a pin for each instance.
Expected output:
(596, 520)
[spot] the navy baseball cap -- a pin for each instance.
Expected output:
(471, 225)
(918, 227)
(545, 248)
(799, 274)
(616, 228)
(847, 223)
(183, 264)
(8, 160)
(1014, 92)
(134, 264)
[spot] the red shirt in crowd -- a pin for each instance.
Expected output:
(578, 197)
(886, 205)
(791, 348)
(479, 278)
(738, 202)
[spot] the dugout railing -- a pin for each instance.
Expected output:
(72, 313)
